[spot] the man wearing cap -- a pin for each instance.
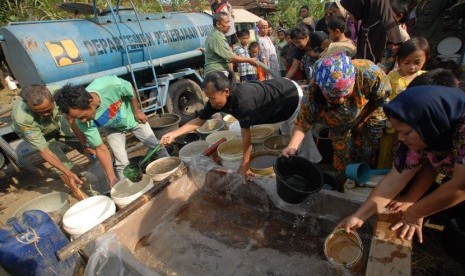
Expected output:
(347, 96)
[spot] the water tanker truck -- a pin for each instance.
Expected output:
(158, 52)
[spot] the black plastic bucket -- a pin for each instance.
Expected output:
(164, 123)
(187, 138)
(296, 178)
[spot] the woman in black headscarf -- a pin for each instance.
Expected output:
(430, 122)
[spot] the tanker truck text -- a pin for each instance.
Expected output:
(100, 46)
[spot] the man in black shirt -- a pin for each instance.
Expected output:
(252, 103)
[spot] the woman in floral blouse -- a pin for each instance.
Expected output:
(346, 95)
(430, 122)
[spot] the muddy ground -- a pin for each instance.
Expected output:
(17, 188)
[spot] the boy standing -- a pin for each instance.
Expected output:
(246, 71)
(279, 47)
(339, 41)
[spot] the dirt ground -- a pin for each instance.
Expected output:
(17, 188)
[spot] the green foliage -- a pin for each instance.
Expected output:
(35, 10)
(287, 14)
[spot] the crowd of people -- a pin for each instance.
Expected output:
(362, 70)
(363, 77)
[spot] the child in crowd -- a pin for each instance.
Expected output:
(339, 41)
(411, 57)
(279, 47)
(254, 50)
(319, 42)
(246, 71)
(287, 54)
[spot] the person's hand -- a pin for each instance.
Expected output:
(409, 225)
(253, 62)
(140, 117)
(113, 181)
(166, 139)
(89, 151)
(350, 224)
(245, 172)
(400, 204)
(289, 151)
(72, 180)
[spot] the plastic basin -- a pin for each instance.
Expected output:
(164, 123)
(55, 204)
(261, 162)
(192, 149)
(215, 137)
(210, 126)
(125, 191)
(163, 167)
(277, 143)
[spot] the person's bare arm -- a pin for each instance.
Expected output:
(69, 177)
(423, 181)
(295, 142)
(239, 59)
(104, 156)
(246, 149)
(294, 67)
(386, 190)
(192, 125)
(138, 114)
(80, 136)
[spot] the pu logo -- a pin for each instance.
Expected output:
(64, 52)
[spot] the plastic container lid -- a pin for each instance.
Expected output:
(87, 213)
(449, 45)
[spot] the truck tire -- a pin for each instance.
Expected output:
(184, 98)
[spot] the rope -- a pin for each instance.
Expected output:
(367, 41)
(29, 237)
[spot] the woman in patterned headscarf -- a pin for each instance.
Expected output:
(346, 95)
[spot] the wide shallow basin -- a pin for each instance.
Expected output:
(214, 225)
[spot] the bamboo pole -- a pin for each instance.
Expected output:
(109, 223)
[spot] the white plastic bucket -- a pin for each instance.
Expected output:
(87, 213)
(215, 137)
(163, 167)
(125, 191)
(259, 134)
(236, 129)
(192, 149)
(231, 154)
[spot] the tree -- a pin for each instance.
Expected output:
(287, 14)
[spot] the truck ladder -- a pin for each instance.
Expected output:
(145, 46)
